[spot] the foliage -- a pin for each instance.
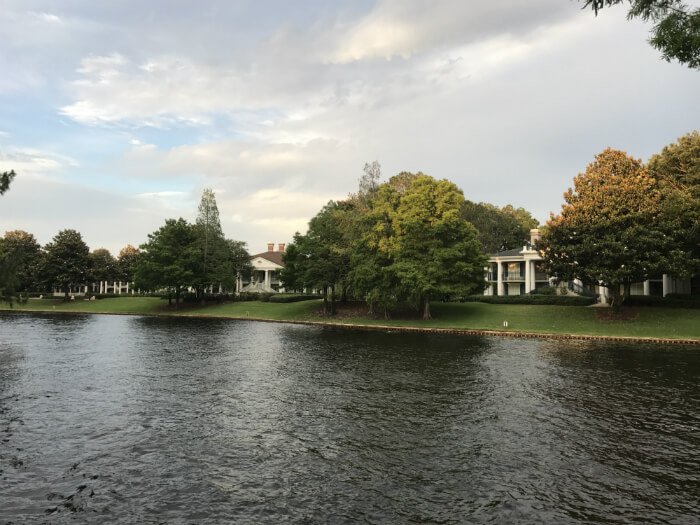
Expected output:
(293, 298)
(104, 266)
(127, 262)
(20, 255)
(67, 261)
(545, 290)
(170, 259)
(497, 228)
(560, 300)
(676, 31)
(611, 230)
(5, 180)
(677, 167)
(434, 252)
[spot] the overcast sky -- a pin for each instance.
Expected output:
(116, 115)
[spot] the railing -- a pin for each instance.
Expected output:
(512, 276)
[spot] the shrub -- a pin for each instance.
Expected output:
(545, 290)
(560, 300)
(293, 298)
(249, 296)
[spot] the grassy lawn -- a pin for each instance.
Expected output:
(643, 322)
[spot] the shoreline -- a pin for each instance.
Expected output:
(393, 328)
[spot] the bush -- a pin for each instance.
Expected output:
(560, 300)
(545, 290)
(293, 298)
(249, 296)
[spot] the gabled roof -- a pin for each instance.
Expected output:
(273, 257)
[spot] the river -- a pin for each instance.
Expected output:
(127, 419)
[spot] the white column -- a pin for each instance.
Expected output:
(267, 278)
(499, 277)
(647, 288)
(528, 276)
(666, 283)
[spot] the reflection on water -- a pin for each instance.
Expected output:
(147, 420)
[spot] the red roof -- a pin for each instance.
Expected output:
(275, 257)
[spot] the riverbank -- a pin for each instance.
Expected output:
(641, 324)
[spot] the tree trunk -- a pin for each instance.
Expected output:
(325, 300)
(426, 309)
(628, 291)
(615, 298)
(177, 298)
(332, 300)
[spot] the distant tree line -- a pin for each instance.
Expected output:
(177, 256)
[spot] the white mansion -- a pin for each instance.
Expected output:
(520, 271)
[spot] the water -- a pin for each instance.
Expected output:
(144, 420)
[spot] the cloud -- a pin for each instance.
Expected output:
(33, 161)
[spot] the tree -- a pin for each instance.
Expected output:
(609, 230)
(67, 262)
(5, 180)
(104, 265)
(214, 250)
(676, 31)
(19, 253)
(320, 259)
(433, 251)
(499, 229)
(126, 263)
(169, 259)
(237, 260)
(677, 167)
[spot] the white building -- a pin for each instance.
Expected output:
(265, 276)
(520, 271)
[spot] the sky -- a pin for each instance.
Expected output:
(116, 115)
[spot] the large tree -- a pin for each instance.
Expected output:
(126, 263)
(170, 259)
(677, 167)
(19, 255)
(104, 265)
(610, 230)
(434, 252)
(676, 31)
(67, 262)
(320, 258)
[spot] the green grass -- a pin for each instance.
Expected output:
(673, 323)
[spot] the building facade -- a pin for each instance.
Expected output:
(265, 275)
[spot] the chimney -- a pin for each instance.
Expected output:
(280, 247)
(270, 246)
(534, 236)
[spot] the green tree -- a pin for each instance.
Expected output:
(434, 252)
(22, 254)
(676, 31)
(320, 259)
(5, 180)
(126, 263)
(214, 251)
(67, 261)
(237, 261)
(104, 265)
(609, 230)
(499, 229)
(677, 167)
(170, 259)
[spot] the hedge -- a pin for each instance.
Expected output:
(561, 300)
(293, 298)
